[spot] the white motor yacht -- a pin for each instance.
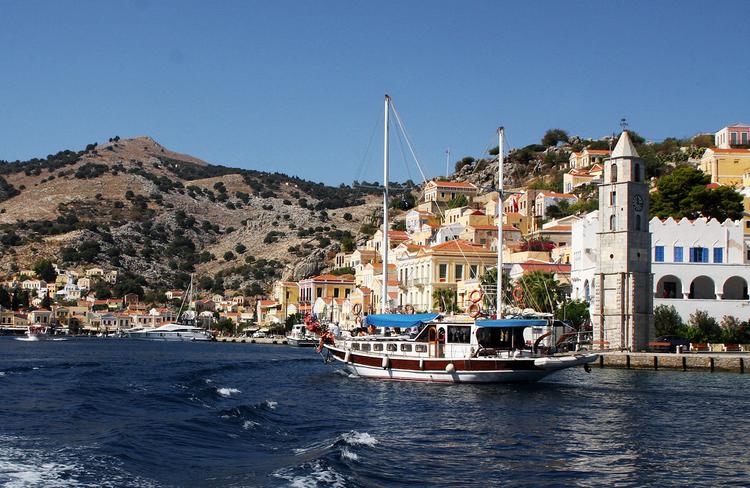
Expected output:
(171, 332)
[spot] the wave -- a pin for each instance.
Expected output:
(313, 475)
(24, 464)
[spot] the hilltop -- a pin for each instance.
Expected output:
(156, 216)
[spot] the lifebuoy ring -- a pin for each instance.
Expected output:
(409, 308)
(357, 308)
(474, 310)
(475, 296)
(518, 294)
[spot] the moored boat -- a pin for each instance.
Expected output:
(452, 350)
(299, 336)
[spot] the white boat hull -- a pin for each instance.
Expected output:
(459, 370)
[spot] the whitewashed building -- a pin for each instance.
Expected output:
(697, 265)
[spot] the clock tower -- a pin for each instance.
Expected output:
(623, 305)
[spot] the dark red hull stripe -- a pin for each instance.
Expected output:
(440, 364)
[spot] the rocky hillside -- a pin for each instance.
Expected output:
(157, 216)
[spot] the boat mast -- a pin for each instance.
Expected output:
(384, 297)
(500, 212)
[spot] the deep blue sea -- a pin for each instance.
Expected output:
(92, 412)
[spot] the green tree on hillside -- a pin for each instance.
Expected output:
(45, 271)
(554, 136)
(684, 194)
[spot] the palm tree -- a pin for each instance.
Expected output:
(444, 299)
(541, 291)
(489, 285)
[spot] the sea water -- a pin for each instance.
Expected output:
(109, 412)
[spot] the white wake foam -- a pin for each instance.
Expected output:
(355, 438)
(319, 475)
(227, 392)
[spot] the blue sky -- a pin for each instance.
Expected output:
(297, 87)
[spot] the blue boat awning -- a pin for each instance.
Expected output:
(399, 319)
(512, 323)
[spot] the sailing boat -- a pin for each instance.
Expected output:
(450, 349)
(182, 330)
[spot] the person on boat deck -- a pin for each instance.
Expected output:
(372, 330)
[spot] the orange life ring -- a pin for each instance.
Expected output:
(518, 294)
(475, 296)
(357, 308)
(409, 308)
(474, 310)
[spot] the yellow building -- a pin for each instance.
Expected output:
(444, 265)
(286, 293)
(323, 286)
(445, 191)
(726, 166)
(587, 157)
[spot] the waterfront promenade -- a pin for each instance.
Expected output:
(735, 362)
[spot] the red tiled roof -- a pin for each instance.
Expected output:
(459, 245)
(557, 195)
(330, 277)
(598, 151)
(557, 228)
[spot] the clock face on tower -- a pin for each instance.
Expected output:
(637, 203)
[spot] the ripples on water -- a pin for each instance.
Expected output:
(122, 413)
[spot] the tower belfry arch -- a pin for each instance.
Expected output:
(622, 311)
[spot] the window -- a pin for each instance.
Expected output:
(377, 347)
(613, 173)
(747, 224)
(420, 348)
(744, 138)
(678, 254)
(335, 293)
(613, 198)
(637, 172)
(718, 254)
(473, 269)
(459, 272)
(747, 255)
(698, 254)
(319, 292)
(443, 270)
(733, 138)
(391, 347)
(365, 347)
(659, 254)
(355, 346)
(459, 334)
(405, 347)
(613, 222)
(637, 222)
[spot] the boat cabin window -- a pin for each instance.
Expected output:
(391, 347)
(355, 346)
(422, 336)
(420, 348)
(459, 334)
(377, 347)
(501, 337)
(365, 347)
(405, 347)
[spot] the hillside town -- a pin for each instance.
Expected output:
(443, 254)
